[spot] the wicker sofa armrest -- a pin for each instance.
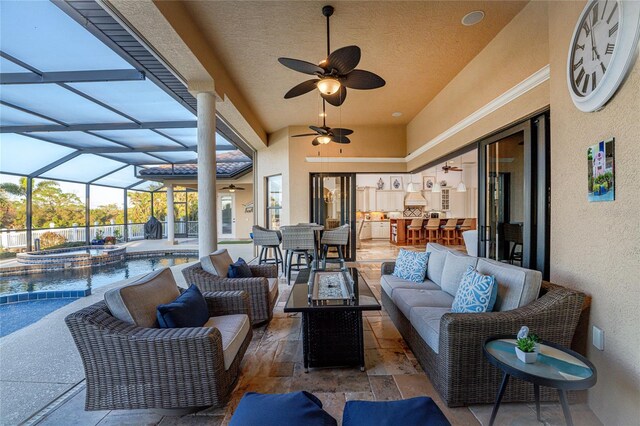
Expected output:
(387, 268)
(267, 271)
(228, 303)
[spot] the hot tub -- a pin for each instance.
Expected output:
(73, 257)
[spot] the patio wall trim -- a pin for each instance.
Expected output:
(531, 82)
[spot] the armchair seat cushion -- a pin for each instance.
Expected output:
(273, 288)
(137, 302)
(426, 322)
(390, 283)
(407, 299)
(233, 329)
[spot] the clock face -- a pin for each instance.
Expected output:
(594, 46)
(602, 51)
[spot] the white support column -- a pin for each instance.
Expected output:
(207, 217)
(171, 217)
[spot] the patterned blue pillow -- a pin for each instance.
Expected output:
(476, 293)
(411, 265)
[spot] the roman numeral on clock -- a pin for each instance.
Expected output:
(594, 17)
(613, 29)
(593, 81)
(580, 46)
(586, 83)
(577, 64)
(610, 47)
(604, 69)
(580, 76)
(615, 7)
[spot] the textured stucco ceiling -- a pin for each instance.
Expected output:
(417, 47)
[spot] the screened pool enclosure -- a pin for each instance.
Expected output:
(85, 109)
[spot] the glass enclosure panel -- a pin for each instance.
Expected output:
(137, 138)
(58, 204)
(76, 139)
(188, 137)
(178, 157)
(138, 206)
(107, 206)
(14, 117)
(8, 66)
(137, 158)
(121, 178)
(13, 202)
(505, 207)
(148, 185)
(14, 149)
(226, 216)
(56, 102)
(160, 205)
(192, 205)
(83, 168)
(42, 35)
(274, 201)
(142, 100)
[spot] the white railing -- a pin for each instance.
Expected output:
(18, 239)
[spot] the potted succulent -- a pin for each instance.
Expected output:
(525, 349)
(537, 340)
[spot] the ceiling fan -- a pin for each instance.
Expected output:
(233, 188)
(334, 74)
(324, 135)
(447, 168)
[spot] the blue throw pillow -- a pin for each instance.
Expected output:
(415, 411)
(295, 408)
(476, 293)
(411, 265)
(188, 310)
(239, 269)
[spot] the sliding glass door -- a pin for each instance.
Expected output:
(513, 195)
(333, 203)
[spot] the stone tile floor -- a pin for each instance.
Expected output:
(273, 364)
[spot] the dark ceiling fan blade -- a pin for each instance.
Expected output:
(341, 132)
(340, 139)
(344, 60)
(305, 134)
(363, 80)
(320, 130)
(337, 98)
(301, 66)
(315, 142)
(301, 89)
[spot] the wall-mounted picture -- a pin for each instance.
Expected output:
(600, 159)
(427, 182)
(396, 183)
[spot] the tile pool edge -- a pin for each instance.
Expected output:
(27, 296)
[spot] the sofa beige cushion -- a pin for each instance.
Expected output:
(455, 265)
(407, 299)
(437, 255)
(217, 263)
(136, 303)
(233, 329)
(390, 283)
(426, 321)
(516, 286)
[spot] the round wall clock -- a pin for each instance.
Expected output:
(603, 49)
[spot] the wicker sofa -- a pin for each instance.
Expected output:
(210, 274)
(130, 363)
(449, 345)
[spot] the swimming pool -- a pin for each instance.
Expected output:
(70, 282)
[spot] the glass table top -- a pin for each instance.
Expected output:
(298, 300)
(552, 363)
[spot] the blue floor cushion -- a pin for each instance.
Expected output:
(415, 411)
(291, 409)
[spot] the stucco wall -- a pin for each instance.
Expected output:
(517, 52)
(596, 246)
(273, 160)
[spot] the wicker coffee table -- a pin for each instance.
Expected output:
(332, 331)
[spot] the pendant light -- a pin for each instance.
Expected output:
(461, 186)
(436, 187)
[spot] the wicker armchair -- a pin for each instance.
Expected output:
(460, 372)
(268, 239)
(130, 367)
(262, 288)
(338, 238)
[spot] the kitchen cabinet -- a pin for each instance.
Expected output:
(366, 199)
(365, 234)
(360, 205)
(380, 230)
(390, 201)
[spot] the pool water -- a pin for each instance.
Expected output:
(84, 278)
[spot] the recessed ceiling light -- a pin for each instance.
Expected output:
(472, 18)
(396, 114)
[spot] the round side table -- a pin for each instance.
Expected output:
(556, 367)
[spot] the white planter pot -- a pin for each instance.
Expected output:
(526, 357)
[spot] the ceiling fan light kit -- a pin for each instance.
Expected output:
(328, 86)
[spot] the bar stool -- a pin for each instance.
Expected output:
(466, 225)
(433, 230)
(268, 239)
(338, 238)
(449, 236)
(298, 240)
(415, 227)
